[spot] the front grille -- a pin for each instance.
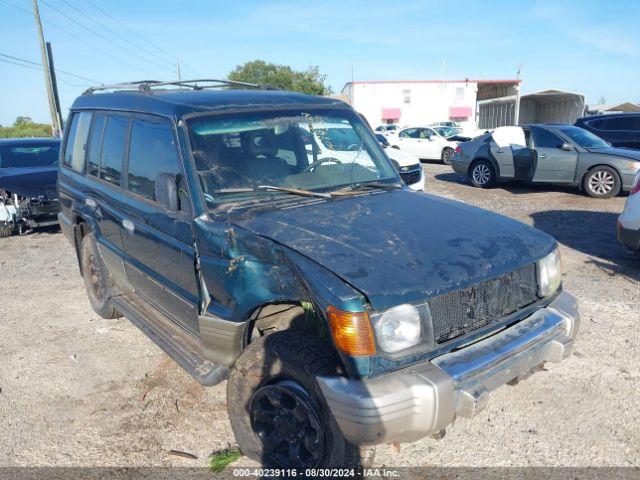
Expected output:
(410, 175)
(457, 313)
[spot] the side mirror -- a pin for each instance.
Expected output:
(396, 147)
(432, 138)
(567, 147)
(166, 191)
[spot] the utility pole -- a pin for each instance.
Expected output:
(517, 107)
(55, 127)
(54, 85)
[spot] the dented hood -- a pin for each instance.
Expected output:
(30, 182)
(400, 246)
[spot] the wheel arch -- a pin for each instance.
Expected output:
(595, 165)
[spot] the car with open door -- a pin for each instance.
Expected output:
(344, 309)
(425, 143)
(554, 154)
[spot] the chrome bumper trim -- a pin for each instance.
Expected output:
(421, 400)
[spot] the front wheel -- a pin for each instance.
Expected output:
(277, 411)
(446, 155)
(602, 182)
(482, 174)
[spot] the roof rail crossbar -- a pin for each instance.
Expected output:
(197, 84)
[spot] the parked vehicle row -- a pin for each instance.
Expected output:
(346, 310)
(28, 173)
(558, 154)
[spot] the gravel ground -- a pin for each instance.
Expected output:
(77, 390)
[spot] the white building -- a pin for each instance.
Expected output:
(421, 102)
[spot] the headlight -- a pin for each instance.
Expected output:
(398, 328)
(549, 274)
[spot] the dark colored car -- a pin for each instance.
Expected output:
(28, 175)
(552, 153)
(619, 129)
(345, 310)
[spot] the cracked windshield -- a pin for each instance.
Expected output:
(313, 151)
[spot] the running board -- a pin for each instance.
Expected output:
(181, 346)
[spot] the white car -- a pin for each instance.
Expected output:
(629, 219)
(425, 143)
(408, 165)
(341, 142)
(387, 130)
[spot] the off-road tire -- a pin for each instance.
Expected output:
(602, 182)
(445, 156)
(282, 357)
(488, 169)
(96, 278)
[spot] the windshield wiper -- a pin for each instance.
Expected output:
(273, 188)
(357, 187)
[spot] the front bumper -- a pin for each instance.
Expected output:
(421, 400)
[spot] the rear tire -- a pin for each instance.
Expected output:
(96, 278)
(602, 182)
(446, 155)
(273, 378)
(482, 174)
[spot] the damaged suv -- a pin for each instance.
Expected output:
(345, 309)
(28, 173)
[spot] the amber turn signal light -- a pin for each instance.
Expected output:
(351, 331)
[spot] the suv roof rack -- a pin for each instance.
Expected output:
(198, 84)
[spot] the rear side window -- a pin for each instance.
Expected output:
(623, 122)
(545, 139)
(152, 151)
(76, 145)
(410, 133)
(113, 148)
(95, 144)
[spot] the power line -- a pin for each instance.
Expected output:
(57, 69)
(40, 69)
(83, 41)
(106, 39)
(116, 34)
(133, 32)
(121, 37)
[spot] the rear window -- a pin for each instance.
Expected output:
(113, 147)
(76, 145)
(29, 155)
(152, 151)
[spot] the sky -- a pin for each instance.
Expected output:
(587, 46)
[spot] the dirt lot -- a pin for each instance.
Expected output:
(80, 390)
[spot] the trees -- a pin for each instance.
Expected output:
(25, 127)
(281, 76)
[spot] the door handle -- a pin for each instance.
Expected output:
(128, 225)
(90, 202)
(499, 150)
(542, 156)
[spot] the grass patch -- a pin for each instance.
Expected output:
(221, 459)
